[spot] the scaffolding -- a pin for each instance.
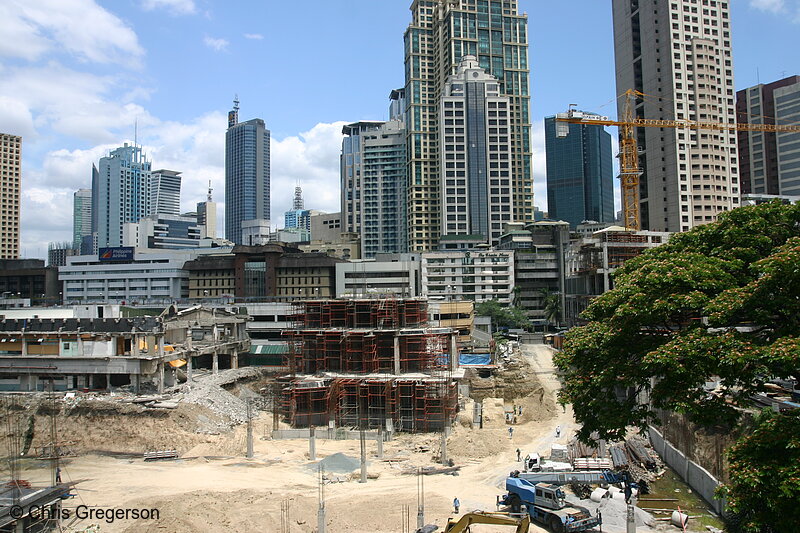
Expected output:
(412, 404)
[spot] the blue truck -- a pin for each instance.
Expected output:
(546, 504)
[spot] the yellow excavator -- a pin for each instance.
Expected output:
(479, 517)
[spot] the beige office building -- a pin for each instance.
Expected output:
(10, 175)
(678, 52)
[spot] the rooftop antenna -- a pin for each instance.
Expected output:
(209, 191)
(233, 115)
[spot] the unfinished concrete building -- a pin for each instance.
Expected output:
(103, 353)
(369, 364)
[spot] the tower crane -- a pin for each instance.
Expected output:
(629, 155)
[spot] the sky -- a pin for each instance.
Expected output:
(76, 76)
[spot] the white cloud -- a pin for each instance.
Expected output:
(773, 6)
(33, 28)
(253, 36)
(175, 7)
(216, 44)
(79, 105)
(312, 159)
(16, 118)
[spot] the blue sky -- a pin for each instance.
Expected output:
(76, 74)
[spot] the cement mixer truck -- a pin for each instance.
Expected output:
(546, 504)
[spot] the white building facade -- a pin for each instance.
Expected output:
(476, 275)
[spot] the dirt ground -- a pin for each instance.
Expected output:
(214, 488)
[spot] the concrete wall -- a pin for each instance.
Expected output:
(693, 474)
(328, 434)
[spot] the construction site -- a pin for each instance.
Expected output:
(369, 364)
(370, 425)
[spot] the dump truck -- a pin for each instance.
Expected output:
(546, 504)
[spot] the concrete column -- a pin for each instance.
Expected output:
(136, 381)
(363, 439)
(108, 382)
(215, 363)
(444, 447)
(234, 360)
(80, 345)
(160, 377)
(321, 519)
(454, 352)
(396, 354)
(24, 346)
(389, 428)
(312, 444)
(379, 442)
(189, 366)
(135, 346)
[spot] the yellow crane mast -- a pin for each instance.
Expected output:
(628, 152)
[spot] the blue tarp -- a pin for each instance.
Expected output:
(474, 359)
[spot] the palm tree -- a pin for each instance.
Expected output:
(551, 305)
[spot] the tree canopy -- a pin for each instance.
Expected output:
(503, 316)
(718, 303)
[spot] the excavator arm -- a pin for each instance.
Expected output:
(479, 517)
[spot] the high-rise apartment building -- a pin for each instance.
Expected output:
(81, 216)
(475, 188)
(165, 192)
(770, 162)
(120, 193)
(678, 52)
(373, 182)
(10, 176)
(247, 178)
(441, 33)
(580, 183)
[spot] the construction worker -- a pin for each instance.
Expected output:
(58, 474)
(510, 432)
(456, 504)
(519, 455)
(558, 432)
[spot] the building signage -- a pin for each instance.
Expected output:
(122, 253)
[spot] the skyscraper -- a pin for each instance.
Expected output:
(247, 180)
(769, 161)
(165, 192)
(81, 216)
(373, 180)
(440, 34)
(475, 190)
(120, 193)
(297, 216)
(678, 52)
(580, 183)
(10, 176)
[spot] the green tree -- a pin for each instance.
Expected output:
(503, 316)
(551, 304)
(721, 302)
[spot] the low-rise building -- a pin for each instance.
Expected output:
(161, 231)
(29, 279)
(476, 276)
(397, 274)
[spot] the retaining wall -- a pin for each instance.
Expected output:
(697, 477)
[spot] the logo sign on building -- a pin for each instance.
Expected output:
(122, 253)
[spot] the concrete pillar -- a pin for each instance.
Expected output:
(389, 429)
(24, 346)
(136, 380)
(80, 345)
(312, 444)
(189, 368)
(108, 382)
(160, 378)
(363, 439)
(321, 519)
(234, 360)
(379, 442)
(215, 363)
(396, 354)
(135, 346)
(454, 352)
(444, 447)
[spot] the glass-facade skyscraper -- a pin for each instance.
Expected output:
(81, 216)
(441, 33)
(579, 174)
(247, 178)
(120, 193)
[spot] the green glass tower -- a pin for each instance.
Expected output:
(440, 34)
